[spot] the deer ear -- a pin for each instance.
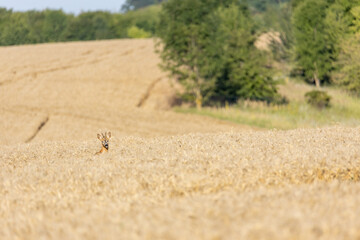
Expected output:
(99, 137)
(109, 134)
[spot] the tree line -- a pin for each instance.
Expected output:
(326, 34)
(208, 46)
(57, 26)
(137, 19)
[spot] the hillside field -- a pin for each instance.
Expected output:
(167, 175)
(79, 88)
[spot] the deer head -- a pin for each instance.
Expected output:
(104, 139)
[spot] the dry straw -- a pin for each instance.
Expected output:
(165, 175)
(242, 184)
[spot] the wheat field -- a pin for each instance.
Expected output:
(167, 175)
(78, 88)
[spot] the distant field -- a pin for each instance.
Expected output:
(167, 175)
(79, 88)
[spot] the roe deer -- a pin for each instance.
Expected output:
(104, 139)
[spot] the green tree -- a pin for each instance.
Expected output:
(137, 4)
(183, 34)
(348, 63)
(55, 23)
(145, 18)
(90, 26)
(16, 30)
(315, 46)
(242, 74)
(34, 22)
(295, 3)
(135, 32)
(5, 16)
(277, 18)
(208, 46)
(262, 5)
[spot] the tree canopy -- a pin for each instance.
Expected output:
(315, 46)
(56, 26)
(208, 46)
(137, 4)
(323, 32)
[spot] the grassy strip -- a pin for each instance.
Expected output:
(344, 110)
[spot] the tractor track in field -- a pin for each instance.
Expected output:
(147, 94)
(41, 125)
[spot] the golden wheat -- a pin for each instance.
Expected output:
(244, 184)
(83, 87)
(166, 175)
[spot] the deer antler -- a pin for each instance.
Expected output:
(104, 138)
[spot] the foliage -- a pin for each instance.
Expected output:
(295, 3)
(355, 26)
(315, 47)
(345, 109)
(262, 5)
(184, 40)
(318, 99)
(137, 4)
(325, 40)
(242, 73)
(55, 25)
(145, 18)
(135, 32)
(278, 18)
(90, 26)
(15, 31)
(348, 64)
(208, 46)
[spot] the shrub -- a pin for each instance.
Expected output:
(135, 32)
(318, 99)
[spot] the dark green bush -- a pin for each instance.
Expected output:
(318, 99)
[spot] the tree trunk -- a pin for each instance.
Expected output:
(198, 96)
(316, 78)
(198, 99)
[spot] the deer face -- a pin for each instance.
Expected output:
(104, 138)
